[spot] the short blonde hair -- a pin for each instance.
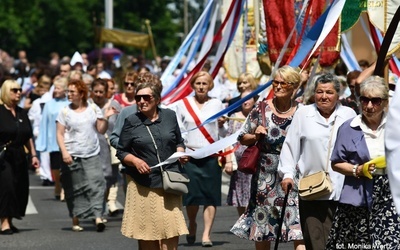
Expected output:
(209, 79)
(6, 89)
(61, 82)
(288, 74)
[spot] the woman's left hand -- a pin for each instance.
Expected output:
(110, 111)
(184, 159)
(35, 162)
(228, 168)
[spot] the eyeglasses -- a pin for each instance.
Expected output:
(15, 90)
(146, 98)
(376, 101)
(275, 83)
(129, 83)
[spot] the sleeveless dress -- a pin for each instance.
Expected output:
(260, 220)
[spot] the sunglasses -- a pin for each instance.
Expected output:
(15, 90)
(276, 83)
(146, 98)
(129, 83)
(376, 101)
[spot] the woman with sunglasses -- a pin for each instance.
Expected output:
(149, 136)
(15, 134)
(366, 215)
(127, 98)
(259, 222)
(307, 149)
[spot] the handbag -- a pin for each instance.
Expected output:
(251, 155)
(316, 185)
(3, 149)
(173, 182)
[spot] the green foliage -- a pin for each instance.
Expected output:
(65, 26)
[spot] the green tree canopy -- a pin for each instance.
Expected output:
(65, 26)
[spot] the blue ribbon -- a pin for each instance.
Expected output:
(200, 27)
(235, 105)
(310, 39)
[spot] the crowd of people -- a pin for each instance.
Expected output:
(86, 128)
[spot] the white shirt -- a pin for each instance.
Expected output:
(80, 136)
(306, 144)
(195, 139)
(373, 139)
(392, 146)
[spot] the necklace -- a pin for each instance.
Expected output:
(283, 112)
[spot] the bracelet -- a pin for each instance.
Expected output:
(33, 156)
(355, 171)
(228, 162)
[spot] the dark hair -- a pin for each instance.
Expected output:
(352, 75)
(81, 88)
(328, 78)
(101, 82)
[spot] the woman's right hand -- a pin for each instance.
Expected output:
(286, 183)
(141, 166)
(260, 130)
(67, 159)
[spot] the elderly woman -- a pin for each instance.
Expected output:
(46, 141)
(259, 223)
(366, 215)
(307, 146)
(15, 133)
(82, 179)
(205, 174)
(152, 216)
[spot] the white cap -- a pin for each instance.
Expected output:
(76, 58)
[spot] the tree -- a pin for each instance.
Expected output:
(65, 26)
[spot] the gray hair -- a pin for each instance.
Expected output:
(375, 85)
(328, 78)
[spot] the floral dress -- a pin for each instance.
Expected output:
(239, 186)
(261, 218)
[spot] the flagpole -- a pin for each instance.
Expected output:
(153, 46)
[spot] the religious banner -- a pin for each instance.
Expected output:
(281, 17)
(381, 13)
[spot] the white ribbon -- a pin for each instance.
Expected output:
(204, 151)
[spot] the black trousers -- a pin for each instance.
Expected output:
(316, 221)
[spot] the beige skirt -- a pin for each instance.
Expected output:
(152, 214)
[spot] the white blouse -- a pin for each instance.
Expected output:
(306, 144)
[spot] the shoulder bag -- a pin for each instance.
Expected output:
(3, 149)
(173, 182)
(316, 185)
(250, 156)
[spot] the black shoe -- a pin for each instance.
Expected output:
(113, 213)
(190, 239)
(47, 183)
(100, 227)
(6, 232)
(14, 229)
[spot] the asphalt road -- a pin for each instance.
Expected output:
(47, 226)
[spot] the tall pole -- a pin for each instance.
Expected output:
(109, 16)
(185, 18)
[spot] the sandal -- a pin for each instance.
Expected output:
(77, 228)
